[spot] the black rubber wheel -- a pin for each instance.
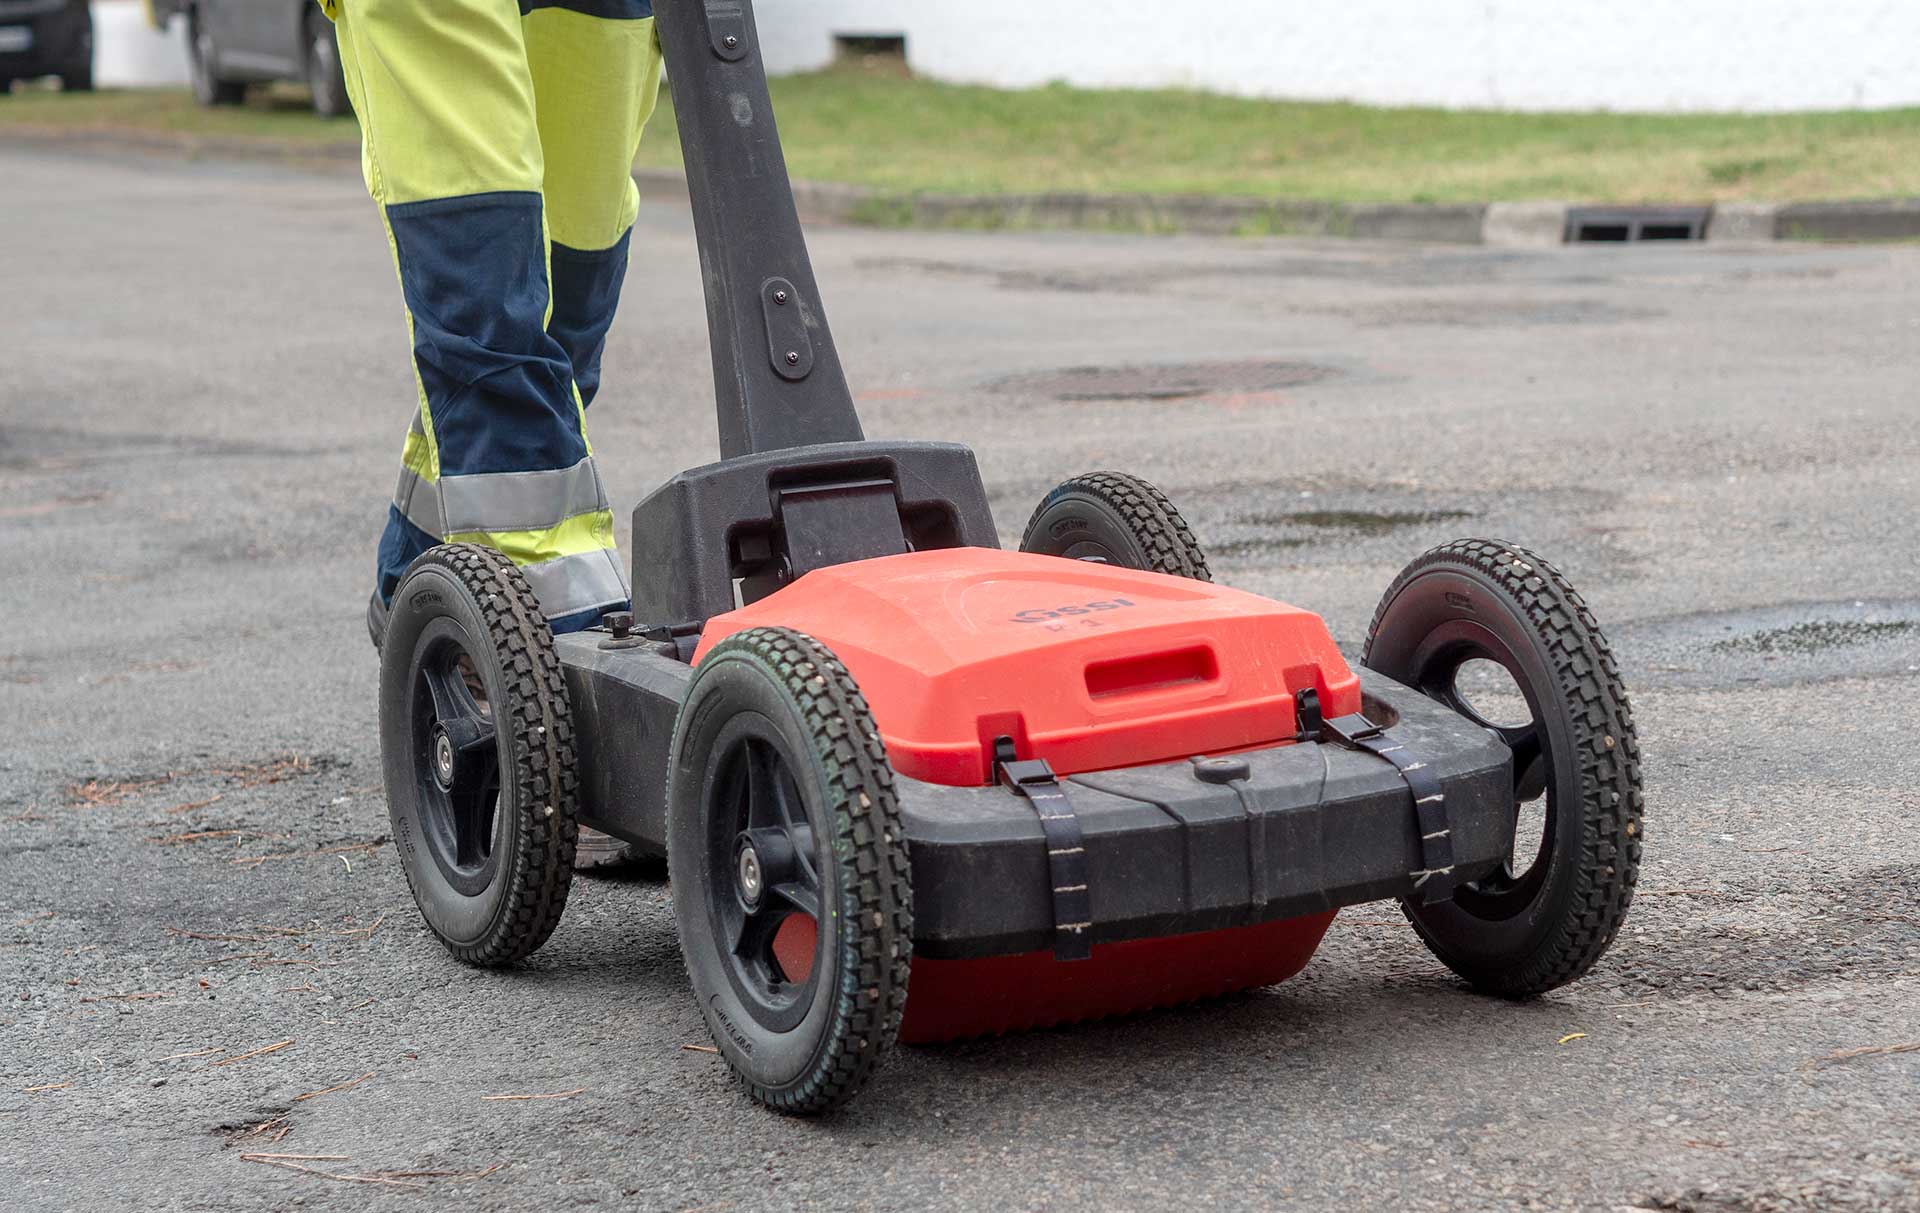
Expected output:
(324, 74)
(790, 879)
(78, 80)
(1548, 913)
(203, 68)
(476, 743)
(1116, 519)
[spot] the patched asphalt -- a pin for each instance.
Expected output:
(208, 954)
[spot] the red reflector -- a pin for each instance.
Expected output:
(793, 944)
(952, 999)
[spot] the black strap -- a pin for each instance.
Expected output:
(1066, 853)
(1434, 880)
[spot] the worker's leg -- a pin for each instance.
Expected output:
(498, 452)
(596, 74)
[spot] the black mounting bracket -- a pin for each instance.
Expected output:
(732, 532)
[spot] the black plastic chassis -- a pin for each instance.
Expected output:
(1313, 826)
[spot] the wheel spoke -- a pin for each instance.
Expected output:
(736, 927)
(448, 704)
(752, 934)
(764, 807)
(803, 895)
(1529, 760)
(454, 700)
(472, 739)
(473, 806)
(802, 838)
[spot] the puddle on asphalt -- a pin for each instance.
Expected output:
(1362, 522)
(1252, 547)
(1773, 646)
(1282, 530)
(1162, 381)
(1477, 313)
(1818, 636)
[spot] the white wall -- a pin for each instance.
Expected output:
(1513, 54)
(129, 53)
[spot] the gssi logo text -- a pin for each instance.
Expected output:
(1049, 614)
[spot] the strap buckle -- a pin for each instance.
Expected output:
(1353, 728)
(1023, 772)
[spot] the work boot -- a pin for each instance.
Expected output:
(597, 852)
(594, 851)
(376, 620)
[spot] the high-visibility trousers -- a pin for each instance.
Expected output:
(498, 138)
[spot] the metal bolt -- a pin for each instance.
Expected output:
(779, 296)
(750, 875)
(443, 759)
(793, 357)
(730, 41)
(620, 623)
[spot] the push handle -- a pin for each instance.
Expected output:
(776, 376)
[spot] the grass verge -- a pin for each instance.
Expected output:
(907, 136)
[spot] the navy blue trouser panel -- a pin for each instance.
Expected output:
(400, 544)
(499, 386)
(586, 291)
(610, 10)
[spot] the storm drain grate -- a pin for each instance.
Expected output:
(1170, 381)
(1632, 224)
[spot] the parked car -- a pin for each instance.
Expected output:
(234, 43)
(46, 38)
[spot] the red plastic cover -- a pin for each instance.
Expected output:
(1087, 666)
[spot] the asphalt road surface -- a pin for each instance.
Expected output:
(207, 951)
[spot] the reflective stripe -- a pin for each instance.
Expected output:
(582, 533)
(417, 500)
(572, 566)
(577, 583)
(518, 501)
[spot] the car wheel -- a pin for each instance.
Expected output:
(324, 74)
(203, 69)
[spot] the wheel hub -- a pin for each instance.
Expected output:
(442, 759)
(749, 875)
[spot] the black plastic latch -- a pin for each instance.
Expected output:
(840, 521)
(1066, 848)
(1307, 717)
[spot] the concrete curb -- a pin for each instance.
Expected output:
(194, 147)
(1506, 224)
